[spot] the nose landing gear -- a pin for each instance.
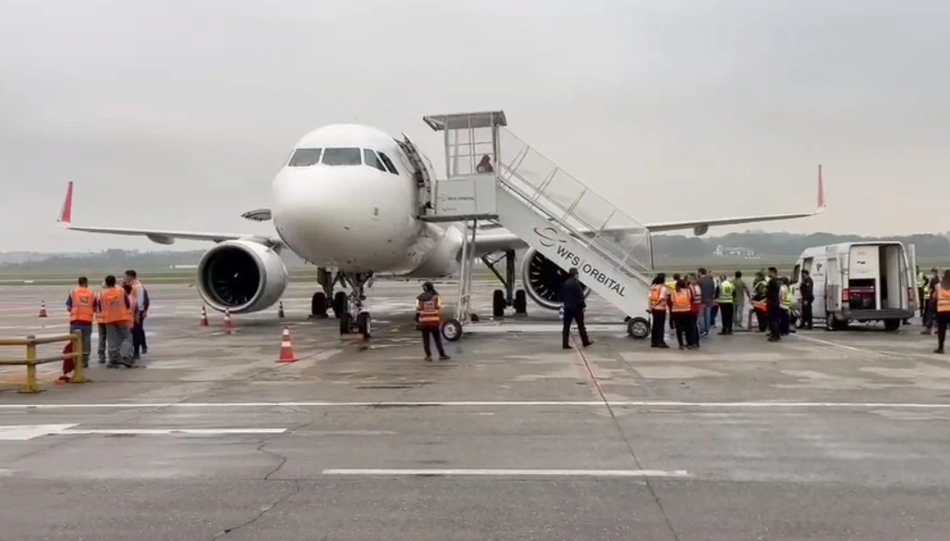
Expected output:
(353, 317)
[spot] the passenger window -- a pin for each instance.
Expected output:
(305, 157)
(370, 159)
(342, 156)
(389, 164)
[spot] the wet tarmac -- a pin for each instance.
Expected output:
(824, 436)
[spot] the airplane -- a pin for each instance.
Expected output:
(348, 199)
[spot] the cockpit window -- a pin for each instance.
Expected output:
(370, 159)
(305, 157)
(389, 163)
(342, 156)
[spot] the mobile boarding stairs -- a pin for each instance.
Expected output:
(547, 208)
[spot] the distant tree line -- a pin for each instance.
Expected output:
(664, 246)
(782, 244)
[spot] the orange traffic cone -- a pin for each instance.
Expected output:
(204, 317)
(287, 354)
(280, 309)
(42, 308)
(228, 324)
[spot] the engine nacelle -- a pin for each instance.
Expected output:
(241, 276)
(700, 230)
(542, 280)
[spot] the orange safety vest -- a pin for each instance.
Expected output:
(132, 316)
(658, 297)
(429, 312)
(83, 309)
(112, 303)
(682, 301)
(943, 299)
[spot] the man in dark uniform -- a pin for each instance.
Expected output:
(773, 298)
(572, 295)
(807, 289)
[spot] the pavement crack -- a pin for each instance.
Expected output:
(263, 511)
(282, 459)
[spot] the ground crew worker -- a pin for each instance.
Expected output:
(922, 283)
(807, 290)
(930, 294)
(785, 303)
(572, 297)
(101, 324)
(81, 304)
(140, 295)
(760, 301)
(942, 294)
(671, 287)
(727, 303)
(714, 312)
(682, 309)
(428, 305)
(659, 303)
(116, 314)
(773, 299)
(697, 312)
(708, 292)
(742, 293)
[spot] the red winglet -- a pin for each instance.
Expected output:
(66, 214)
(822, 204)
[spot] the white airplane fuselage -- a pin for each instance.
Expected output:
(350, 215)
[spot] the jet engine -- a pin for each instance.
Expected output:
(242, 276)
(542, 280)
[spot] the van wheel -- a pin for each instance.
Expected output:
(892, 324)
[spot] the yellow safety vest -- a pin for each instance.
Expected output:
(785, 298)
(727, 293)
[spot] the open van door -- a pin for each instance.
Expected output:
(832, 281)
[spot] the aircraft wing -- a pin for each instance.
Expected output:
(158, 236)
(495, 240)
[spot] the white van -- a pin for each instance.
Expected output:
(860, 281)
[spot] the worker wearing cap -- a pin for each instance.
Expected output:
(428, 306)
(81, 304)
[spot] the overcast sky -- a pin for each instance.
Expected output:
(178, 114)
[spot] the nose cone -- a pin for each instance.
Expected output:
(346, 217)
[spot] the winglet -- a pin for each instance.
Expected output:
(66, 214)
(822, 204)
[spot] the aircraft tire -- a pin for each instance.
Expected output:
(521, 302)
(452, 330)
(364, 324)
(318, 305)
(498, 303)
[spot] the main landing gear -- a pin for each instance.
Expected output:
(347, 308)
(502, 299)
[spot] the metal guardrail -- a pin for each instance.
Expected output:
(30, 342)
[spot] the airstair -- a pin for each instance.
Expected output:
(547, 208)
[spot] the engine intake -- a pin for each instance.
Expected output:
(241, 276)
(542, 279)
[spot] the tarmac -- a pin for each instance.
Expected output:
(826, 435)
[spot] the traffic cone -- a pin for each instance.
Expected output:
(204, 317)
(228, 325)
(287, 354)
(42, 308)
(280, 309)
